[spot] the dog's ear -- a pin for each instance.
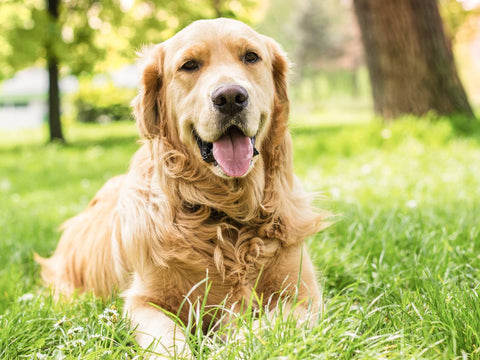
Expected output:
(277, 152)
(280, 68)
(147, 105)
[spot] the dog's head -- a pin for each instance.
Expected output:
(215, 89)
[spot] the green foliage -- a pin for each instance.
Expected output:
(92, 36)
(22, 31)
(399, 267)
(465, 124)
(102, 103)
(27, 30)
(455, 15)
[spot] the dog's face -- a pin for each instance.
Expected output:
(215, 81)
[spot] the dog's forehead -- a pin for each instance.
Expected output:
(211, 32)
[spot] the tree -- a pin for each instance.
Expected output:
(53, 33)
(56, 133)
(328, 41)
(321, 39)
(313, 22)
(409, 58)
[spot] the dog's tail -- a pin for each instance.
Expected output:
(50, 271)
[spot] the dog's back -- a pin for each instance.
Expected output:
(83, 258)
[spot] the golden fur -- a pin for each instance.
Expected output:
(156, 231)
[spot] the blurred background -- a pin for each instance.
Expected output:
(67, 61)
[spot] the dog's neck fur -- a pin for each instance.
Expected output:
(188, 181)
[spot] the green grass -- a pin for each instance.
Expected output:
(399, 267)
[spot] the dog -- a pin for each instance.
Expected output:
(211, 191)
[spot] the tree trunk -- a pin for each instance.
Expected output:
(410, 61)
(53, 88)
(354, 83)
(217, 6)
(54, 101)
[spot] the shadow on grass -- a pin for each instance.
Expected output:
(76, 144)
(106, 142)
(318, 129)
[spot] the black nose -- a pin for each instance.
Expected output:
(230, 99)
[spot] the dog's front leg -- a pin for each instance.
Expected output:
(292, 277)
(155, 331)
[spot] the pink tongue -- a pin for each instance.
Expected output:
(233, 152)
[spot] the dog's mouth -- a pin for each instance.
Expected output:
(233, 152)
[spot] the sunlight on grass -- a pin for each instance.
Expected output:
(341, 111)
(74, 133)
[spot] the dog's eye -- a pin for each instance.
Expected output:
(190, 65)
(251, 57)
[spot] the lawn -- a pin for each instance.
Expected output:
(398, 267)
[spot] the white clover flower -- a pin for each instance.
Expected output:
(412, 204)
(105, 319)
(110, 316)
(77, 342)
(386, 134)
(26, 297)
(75, 330)
(41, 356)
(58, 354)
(111, 312)
(60, 323)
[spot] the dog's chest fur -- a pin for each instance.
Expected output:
(231, 254)
(217, 253)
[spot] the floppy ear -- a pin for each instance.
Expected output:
(277, 151)
(280, 67)
(147, 105)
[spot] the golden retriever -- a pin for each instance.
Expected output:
(210, 191)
